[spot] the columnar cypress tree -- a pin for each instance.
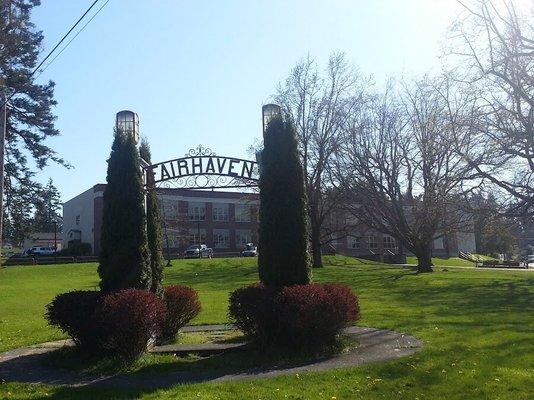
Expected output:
(124, 257)
(153, 226)
(283, 234)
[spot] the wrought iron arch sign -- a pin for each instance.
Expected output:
(201, 168)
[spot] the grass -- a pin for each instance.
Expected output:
(477, 326)
(444, 262)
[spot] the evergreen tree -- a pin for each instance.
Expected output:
(153, 226)
(124, 258)
(283, 235)
(29, 116)
(47, 210)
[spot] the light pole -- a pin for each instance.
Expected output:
(198, 232)
(3, 128)
(55, 240)
(166, 236)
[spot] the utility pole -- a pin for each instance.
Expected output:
(198, 231)
(3, 128)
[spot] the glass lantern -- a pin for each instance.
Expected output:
(269, 111)
(128, 122)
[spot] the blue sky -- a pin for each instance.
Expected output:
(197, 72)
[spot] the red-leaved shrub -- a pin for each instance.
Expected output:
(297, 317)
(76, 314)
(182, 304)
(130, 319)
(252, 310)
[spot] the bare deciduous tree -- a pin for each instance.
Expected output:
(320, 105)
(399, 171)
(496, 66)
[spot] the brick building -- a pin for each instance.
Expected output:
(226, 221)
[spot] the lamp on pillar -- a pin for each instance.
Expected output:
(268, 112)
(128, 122)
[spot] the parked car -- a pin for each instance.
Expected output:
(40, 251)
(194, 250)
(530, 259)
(250, 250)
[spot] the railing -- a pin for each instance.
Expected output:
(47, 260)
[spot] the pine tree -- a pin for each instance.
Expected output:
(153, 226)
(29, 116)
(283, 235)
(47, 216)
(124, 255)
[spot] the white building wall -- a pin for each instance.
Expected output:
(78, 214)
(466, 242)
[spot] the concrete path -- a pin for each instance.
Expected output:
(375, 345)
(473, 268)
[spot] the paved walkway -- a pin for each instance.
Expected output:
(473, 268)
(375, 345)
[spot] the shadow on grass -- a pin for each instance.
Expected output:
(100, 378)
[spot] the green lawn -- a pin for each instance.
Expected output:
(442, 262)
(477, 326)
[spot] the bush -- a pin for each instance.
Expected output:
(300, 317)
(130, 319)
(76, 314)
(182, 304)
(76, 249)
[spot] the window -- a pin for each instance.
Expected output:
(169, 209)
(77, 220)
(242, 237)
(221, 238)
(196, 211)
(354, 242)
(372, 243)
(242, 213)
(194, 238)
(389, 243)
(439, 244)
(220, 212)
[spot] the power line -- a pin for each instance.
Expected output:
(74, 37)
(55, 47)
(64, 37)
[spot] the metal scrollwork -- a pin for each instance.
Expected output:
(206, 182)
(201, 168)
(199, 151)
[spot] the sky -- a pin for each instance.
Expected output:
(198, 72)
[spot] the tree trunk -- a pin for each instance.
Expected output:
(424, 258)
(316, 248)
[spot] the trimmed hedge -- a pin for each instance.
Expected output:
(119, 325)
(131, 318)
(76, 313)
(299, 317)
(182, 305)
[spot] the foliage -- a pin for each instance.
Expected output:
(153, 226)
(30, 121)
(294, 317)
(76, 249)
(124, 255)
(47, 216)
(283, 235)
(130, 319)
(76, 313)
(182, 305)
